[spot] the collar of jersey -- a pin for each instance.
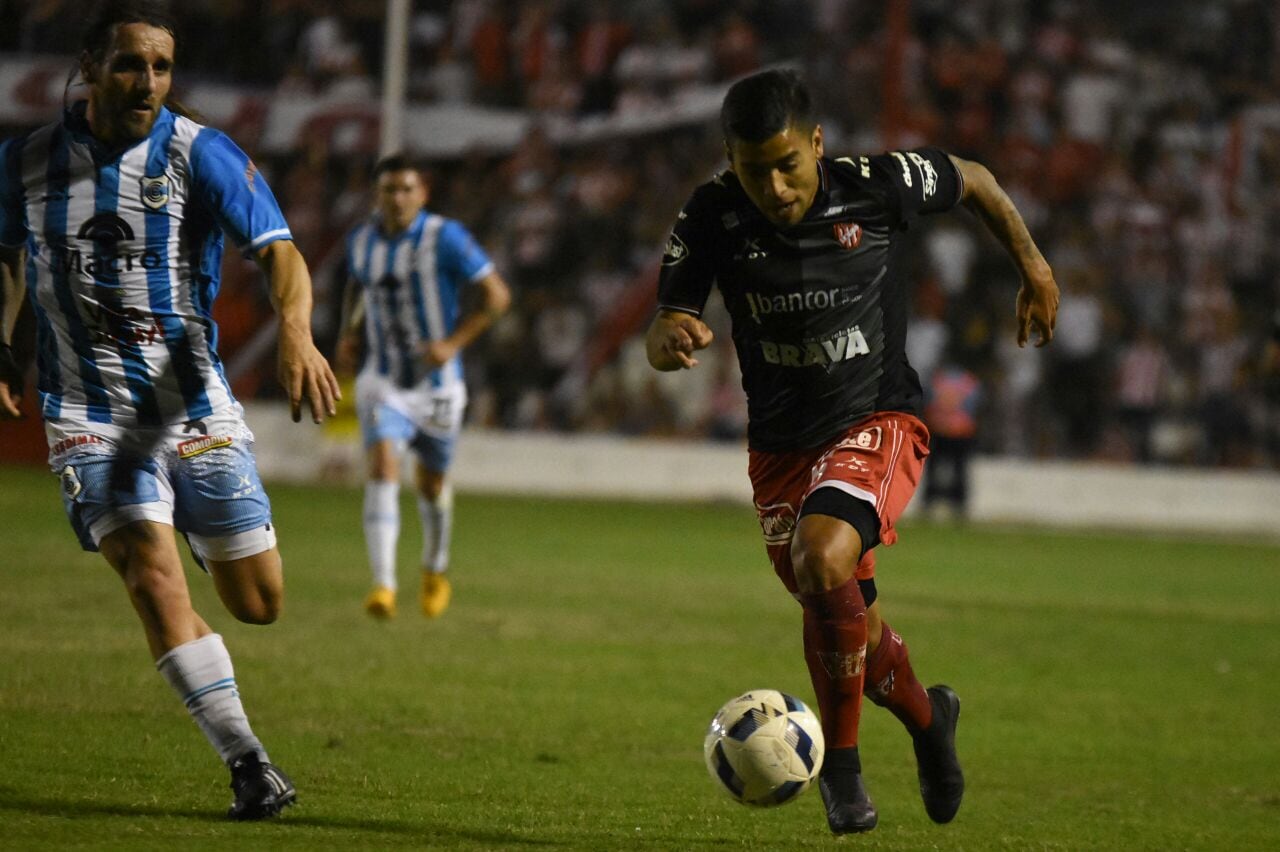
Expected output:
(76, 120)
(415, 227)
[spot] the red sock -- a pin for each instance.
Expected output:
(835, 648)
(891, 683)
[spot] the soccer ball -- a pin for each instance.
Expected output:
(764, 748)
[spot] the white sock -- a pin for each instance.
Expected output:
(200, 672)
(382, 529)
(437, 524)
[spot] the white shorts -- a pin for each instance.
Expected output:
(425, 418)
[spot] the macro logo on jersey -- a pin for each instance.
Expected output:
(844, 346)
(777, 522)
(848, 234)
(675, 251)
(155, 191)
(203, 444)
(105, 231)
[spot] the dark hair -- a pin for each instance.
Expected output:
(397, 162)
(101, 28)
(111, 13)
(764, 105)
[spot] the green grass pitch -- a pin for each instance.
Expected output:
(1119, 692)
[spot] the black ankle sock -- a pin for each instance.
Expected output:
(842, 760)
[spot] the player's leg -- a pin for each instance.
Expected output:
(930, 716)
(190, 657)
(250, 587)
(145, 556)
(814, 557)
(222, 508)
(825, 552)
(193, 660)
(435, 510)
(381, 522)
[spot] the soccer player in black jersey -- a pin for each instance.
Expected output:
(805, 251)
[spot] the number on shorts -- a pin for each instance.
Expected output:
(441, 412)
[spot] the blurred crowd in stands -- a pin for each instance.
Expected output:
(1141, 141)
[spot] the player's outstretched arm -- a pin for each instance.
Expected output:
(1037, 304)
(672, 339)
(495, 299)
(304, 372)
(11, 294)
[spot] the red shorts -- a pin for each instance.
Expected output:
(878, 460)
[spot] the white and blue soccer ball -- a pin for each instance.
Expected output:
(764, 748)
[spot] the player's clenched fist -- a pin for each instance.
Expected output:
(673, 338)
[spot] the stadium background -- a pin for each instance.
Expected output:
(1120, 690)
(1141, 142)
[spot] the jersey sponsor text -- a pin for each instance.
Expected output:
(848, 344)
(790, 303)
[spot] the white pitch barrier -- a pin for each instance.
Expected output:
(1060, 494)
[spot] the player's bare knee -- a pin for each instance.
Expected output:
(819, 564)
(257, 614)
(150, 580)
(260, 605)
(431, 488)
(383, 463)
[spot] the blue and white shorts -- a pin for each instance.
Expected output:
(199, 477)
(425, 418)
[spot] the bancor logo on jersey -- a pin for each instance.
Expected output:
(790, 303)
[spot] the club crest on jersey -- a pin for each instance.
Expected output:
(675, 251)
(848, 234)
(203, 444)
(155, 191)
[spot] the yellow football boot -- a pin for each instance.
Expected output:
(381, 603)
(435, 593)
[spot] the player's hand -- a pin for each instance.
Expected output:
(11, 383)
(1037, 305)
(436, 353)
(676, 337)
(305, 374)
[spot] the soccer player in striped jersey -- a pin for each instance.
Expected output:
(808, 253)
(120, 210)
(409, 271)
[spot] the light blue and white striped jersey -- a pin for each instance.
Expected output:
(124, 250)
(413, 285)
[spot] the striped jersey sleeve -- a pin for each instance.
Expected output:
(460, 254)
(231, 187)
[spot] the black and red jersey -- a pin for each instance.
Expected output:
(819, 309)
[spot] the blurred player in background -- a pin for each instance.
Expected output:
(409, 273)
(805, 252)
(951, 402)
(120, 208)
